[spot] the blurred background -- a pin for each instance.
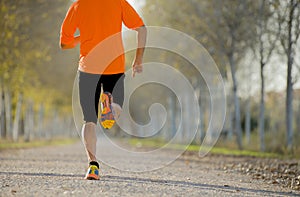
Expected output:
(255, 44)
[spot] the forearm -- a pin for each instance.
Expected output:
(71, 45)
(142, 37)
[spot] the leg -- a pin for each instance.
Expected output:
(117, 110)
(90, 140)
(87, 89)
(114, 84)
(118, 95)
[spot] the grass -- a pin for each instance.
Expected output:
(236, 152)
(155, 143)
(7, 144)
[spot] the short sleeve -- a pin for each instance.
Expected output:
(130, 17)
(69, 26)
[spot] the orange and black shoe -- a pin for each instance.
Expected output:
(106, 118)
(93, 171)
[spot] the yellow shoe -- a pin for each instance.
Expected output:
(92, 173)
(107, 119)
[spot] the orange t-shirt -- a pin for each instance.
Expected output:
(98, 20)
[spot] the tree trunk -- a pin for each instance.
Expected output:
(262, 110)
(184, 120)
(2, 115)
(237, 112)
(201, 125)
(230, 122)
(8, 113)
(29, 124)
(261, 121)
(289, 89)
(40, 123)
(248, 121)
(172, 115)
(17, 119)
(298, 120)
(289, 109)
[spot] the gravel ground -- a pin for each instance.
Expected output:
(59, 171)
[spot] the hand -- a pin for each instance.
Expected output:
(71, 45)
(137, 67)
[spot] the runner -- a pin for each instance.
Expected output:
(97, 20)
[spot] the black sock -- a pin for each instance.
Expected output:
(95, 163)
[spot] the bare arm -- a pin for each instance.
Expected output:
(138, 61)
(72, 45)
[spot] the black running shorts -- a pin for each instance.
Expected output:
(90, 89)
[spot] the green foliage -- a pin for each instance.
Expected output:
(5, 144)
(156, 143)
(31, 62)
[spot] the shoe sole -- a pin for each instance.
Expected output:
(106, 120)
(92, 177)
(107, 124)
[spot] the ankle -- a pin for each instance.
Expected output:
(117, 110)
(94, 163)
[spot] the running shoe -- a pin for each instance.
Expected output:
(107, 119)
(92, 173)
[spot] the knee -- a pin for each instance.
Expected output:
(90, 119)
(90, 124)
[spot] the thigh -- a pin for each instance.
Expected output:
(87, 89)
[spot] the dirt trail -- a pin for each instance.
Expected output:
(59, 171)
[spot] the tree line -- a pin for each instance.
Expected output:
(231, 31)
(35, 79)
